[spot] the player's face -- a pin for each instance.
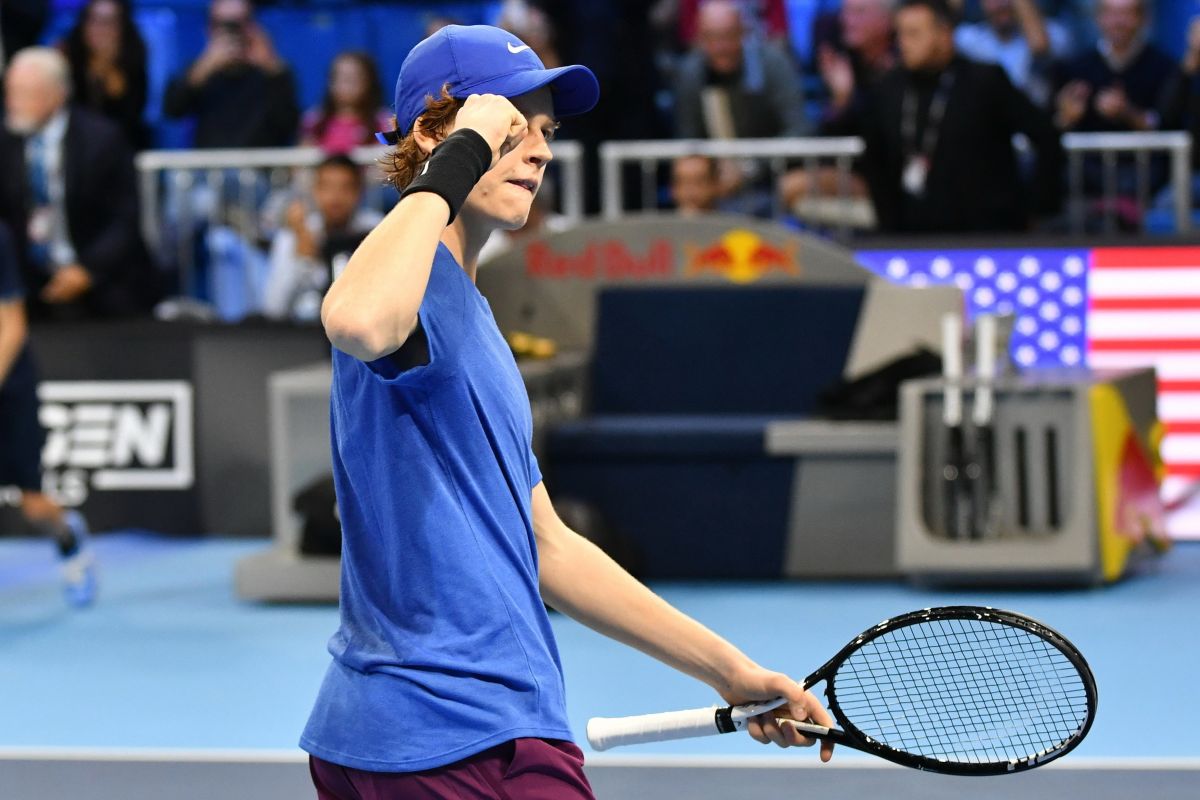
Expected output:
(504, 195)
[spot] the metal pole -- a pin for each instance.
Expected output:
(1181, 183)
(610, 189)
(573, 183)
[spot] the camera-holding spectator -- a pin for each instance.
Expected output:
(1015, 35)
(695, 185)
(239, 90)
(1120, 84)
(69, 197)
(108, 66)
(352, 108)
(938, 131)
(731, 86)
(317, 231)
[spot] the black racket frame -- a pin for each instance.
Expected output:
(851, 736)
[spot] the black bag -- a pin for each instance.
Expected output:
(876, 395)
(316, 503)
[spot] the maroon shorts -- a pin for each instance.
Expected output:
(521, 769)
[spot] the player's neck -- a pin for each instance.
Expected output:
(464, 243)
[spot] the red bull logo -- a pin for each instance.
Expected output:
(742, 257)
(610, 260)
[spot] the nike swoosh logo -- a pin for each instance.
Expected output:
(515, 50)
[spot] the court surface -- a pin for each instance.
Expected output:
(171, 671)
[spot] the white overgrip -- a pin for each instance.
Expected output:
(606, 732)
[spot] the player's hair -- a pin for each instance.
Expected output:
(400, 165)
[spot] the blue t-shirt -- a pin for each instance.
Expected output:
(444, 648)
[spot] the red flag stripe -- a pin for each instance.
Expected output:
(1179, 386)
(1185, 469)
(1146, 258)
(1144, 303)
(1147, 345)
(1183, 426)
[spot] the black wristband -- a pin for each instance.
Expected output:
(453, 169)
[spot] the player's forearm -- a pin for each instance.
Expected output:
(580, 580)
(372, 307)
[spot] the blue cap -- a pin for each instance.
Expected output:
(480, 59)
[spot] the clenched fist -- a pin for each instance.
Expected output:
(495, 119)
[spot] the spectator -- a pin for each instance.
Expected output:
(856, 49)
(239, 90)
(352, 109)
(532, 26)
(1183, 108)
(938, 131)
(436, 22)
(1120, 84)
(1015, 36)
(318, 231)
(108, 66)
(765, 20)
(21, 436)
(859, 48)
(733, 87)
(695, 185)
(69, 197)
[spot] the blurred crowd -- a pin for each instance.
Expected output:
(961, 105)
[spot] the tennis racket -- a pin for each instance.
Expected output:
(960, 690)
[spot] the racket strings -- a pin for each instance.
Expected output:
(963, 690)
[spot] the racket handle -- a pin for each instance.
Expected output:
(606, 732)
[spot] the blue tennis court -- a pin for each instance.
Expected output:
(170, 669)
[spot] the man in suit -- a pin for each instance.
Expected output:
(69, 197)
(939, 129)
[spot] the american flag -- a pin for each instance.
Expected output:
(1142, 310)
(1102, 308)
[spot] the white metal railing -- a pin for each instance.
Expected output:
(236, 180)
(1176, 145)
(648, 154)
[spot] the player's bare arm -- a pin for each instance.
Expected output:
(371, 310)
(580, 580)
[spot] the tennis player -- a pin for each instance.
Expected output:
(21, 438)
(446, 680)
